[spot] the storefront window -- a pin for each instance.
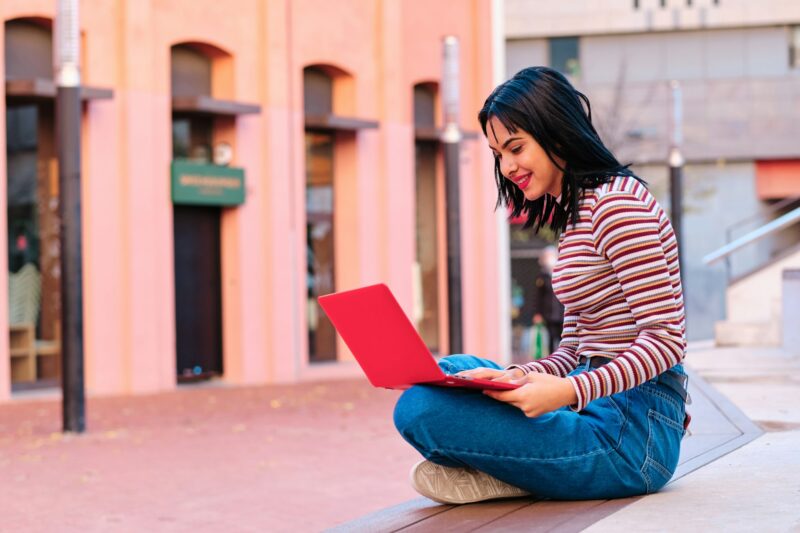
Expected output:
(427, 240)
(23, 224)
(320, 242)
(33, 223)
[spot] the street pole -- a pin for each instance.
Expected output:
(68, 141)
(676, 162)
(451, 140)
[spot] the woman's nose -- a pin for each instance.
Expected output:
(511, 167)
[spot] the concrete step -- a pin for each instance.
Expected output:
(730, 333)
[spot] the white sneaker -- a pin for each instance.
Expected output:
(446, 484)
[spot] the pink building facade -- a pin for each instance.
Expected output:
(326, 107)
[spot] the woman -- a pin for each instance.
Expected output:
(603, 415)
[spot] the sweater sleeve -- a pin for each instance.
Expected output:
(564, 359)
(628, 232)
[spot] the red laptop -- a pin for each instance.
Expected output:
(385, 343)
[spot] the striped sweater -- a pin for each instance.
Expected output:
(618, 277)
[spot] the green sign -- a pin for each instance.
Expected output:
(200, 184)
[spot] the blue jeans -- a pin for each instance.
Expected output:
(621, 445)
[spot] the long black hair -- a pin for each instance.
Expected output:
(543, 103)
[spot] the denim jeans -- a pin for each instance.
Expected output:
(621, 445)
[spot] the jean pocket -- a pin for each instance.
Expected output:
(663, 448)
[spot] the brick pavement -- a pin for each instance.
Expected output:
(207, 458)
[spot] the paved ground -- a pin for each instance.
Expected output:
(303, 458)
(755, 488)
(280, 458)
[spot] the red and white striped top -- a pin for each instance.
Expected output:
(618, 277)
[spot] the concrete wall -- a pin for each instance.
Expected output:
(716, 197)
(755, 307)
(386, 47)
(739, 94)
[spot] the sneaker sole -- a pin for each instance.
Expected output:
(459, 485)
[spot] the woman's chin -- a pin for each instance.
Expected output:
(532, 195)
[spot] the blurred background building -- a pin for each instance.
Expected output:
(239, 160)
(242, 159)
(738, 64)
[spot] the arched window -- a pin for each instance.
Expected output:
(331, 140)
(317, 92)
(190, 75)
(28, 49)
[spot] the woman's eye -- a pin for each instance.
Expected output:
(516, 149)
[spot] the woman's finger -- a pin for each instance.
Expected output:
(481, 373)
(503, 396)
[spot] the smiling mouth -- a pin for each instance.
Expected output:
(522, 181)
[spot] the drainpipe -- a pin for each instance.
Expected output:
(451, 141)
(501, 215)
(68, 142)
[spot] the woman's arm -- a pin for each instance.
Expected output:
(641, 247)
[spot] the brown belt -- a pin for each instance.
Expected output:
(594, 362)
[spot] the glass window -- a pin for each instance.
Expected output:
(317, 92)
(319, 242)
(427, 265)
(191, 137)
(28, 50)
(190, 72)
(424, 105)
(794, 47)
(564, 56)
(21, 153)
(34, 284)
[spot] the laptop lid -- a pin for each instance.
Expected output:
(381, 337)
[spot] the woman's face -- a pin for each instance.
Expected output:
(523, 161)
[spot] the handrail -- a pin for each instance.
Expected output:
(770, 208)
(779, 223)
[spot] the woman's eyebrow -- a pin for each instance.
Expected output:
(508, 141)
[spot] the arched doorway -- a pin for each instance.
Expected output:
(196, 230)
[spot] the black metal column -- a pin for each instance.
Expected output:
(451, 141)
(453, 209)
(68, 140)
(676, 203)
(676, 162)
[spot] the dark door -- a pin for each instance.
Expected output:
(198, 296)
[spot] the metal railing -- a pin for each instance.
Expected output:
(778, 224)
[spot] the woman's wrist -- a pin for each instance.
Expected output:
(569, 395)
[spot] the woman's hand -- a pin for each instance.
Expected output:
(540, 394)
(493, 374)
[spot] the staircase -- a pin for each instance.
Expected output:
(753, 301)
(753, 305)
